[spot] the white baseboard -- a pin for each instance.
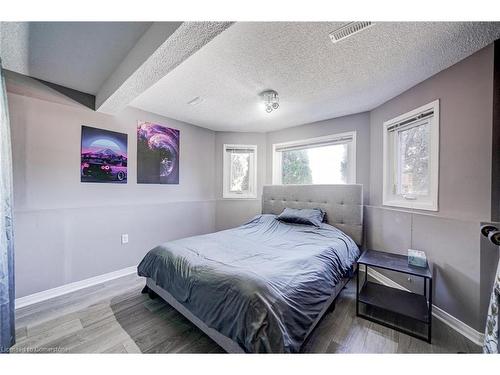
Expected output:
(448, 319)
(72, 287)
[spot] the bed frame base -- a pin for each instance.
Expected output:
(225, 342)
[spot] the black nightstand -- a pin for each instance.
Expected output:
(416, 307)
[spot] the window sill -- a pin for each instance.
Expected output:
(411, 205)
(240, 198)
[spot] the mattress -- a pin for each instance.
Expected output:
(263, 284)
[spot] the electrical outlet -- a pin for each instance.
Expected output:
(124, 238)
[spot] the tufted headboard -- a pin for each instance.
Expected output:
(343, 204)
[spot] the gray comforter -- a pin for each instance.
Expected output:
(262, 284)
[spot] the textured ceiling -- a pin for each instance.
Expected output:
(315, 78)
(177, 44)
(78, 55)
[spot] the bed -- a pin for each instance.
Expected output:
(262, 287)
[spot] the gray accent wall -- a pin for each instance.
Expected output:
(65, 230)
(465, 91)
(450, 237)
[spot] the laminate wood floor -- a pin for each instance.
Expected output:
(114, 317)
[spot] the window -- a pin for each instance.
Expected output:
(240, 171)
(323, 160)
(411, 159)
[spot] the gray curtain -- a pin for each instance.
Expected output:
(7, 330)
(492, 331)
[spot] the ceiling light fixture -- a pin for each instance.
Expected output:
(349, 29)
(195, 101)
(270, 99)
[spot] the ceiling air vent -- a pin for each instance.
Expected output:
(349, 29)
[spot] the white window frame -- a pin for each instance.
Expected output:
(277, 157)
(226, 173)
(390, 162)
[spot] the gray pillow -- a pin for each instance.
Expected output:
(308, 216)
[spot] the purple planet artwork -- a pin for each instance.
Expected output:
(157, 154)
(103, 156)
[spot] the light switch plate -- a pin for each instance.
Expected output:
(124, 238)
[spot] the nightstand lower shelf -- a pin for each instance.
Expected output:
(379, 302)
(398, 301)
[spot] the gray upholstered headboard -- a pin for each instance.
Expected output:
(343, 204)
